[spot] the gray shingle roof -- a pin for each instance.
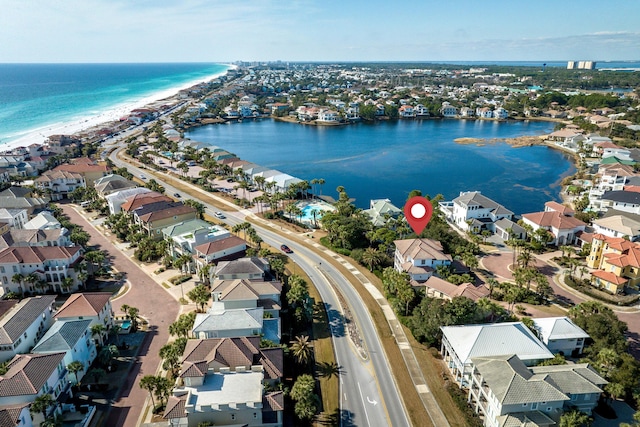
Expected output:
(512, 383)
(247, 265)
(475, 198)
(17, 320)
(525, 419)
(622, 196)
(62, 336)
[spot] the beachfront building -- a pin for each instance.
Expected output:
(617, 263)
(137, 199)
(471, 211)
(23, 323)
(448, 111)
(561, 335)
(461, 344)
(625, 201)
(380, 210)
(614, 224)
(48, 266)
(504, 391)
(419, 257)
(59, 183)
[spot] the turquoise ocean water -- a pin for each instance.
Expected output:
(33, 96)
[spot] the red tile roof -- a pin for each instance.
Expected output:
(220, 245)
(609, 277)
(138, 200)
(554, 219)
(84, 304)
(36, 254)
(167, 213)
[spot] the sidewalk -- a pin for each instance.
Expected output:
(433, 409)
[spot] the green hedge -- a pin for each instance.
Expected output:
(176, 280)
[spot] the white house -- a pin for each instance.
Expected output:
(460, 344)
(116, 199)
(328, 116)
(94, 306)
(561, 335)
(473, 211)
(448, 111)
(23, 324)
(16, 218)
(231, 247)
(60, 183)
(184, 236)
(500, 114)
(563, 228)
(625, 201)
(30, 375)
(51, 264)
(618, 226)
(43, 221)
(73, 337)
(419, 257)
(508, 393)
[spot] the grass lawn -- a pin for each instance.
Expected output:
(323, 351)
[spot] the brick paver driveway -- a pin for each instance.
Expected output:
(155, 304)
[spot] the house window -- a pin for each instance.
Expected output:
(534, 406)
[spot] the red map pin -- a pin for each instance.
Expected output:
(418, 211)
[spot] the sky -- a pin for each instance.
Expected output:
(317, 30)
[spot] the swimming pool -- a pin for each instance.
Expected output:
(319, 207)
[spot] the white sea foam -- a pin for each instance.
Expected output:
(40, 134)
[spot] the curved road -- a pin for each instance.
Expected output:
(368, 393)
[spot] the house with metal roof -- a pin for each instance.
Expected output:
(460, 344)
(23, 324)
(505, 392)
(381, 209)
(561, 335)
(73, 338)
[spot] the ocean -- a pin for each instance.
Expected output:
(389, 159)
(37, 96)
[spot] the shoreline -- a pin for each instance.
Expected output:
(111, 114)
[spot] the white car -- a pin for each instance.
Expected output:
(219, 215)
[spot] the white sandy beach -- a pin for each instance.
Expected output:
(38, 136)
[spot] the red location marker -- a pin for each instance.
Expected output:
(418, 211)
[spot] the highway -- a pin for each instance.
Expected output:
(368, 393)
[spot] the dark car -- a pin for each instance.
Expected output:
(176, 195)
(286, 249)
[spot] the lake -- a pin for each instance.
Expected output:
(389, 159)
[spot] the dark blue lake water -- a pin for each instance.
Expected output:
(389, 159)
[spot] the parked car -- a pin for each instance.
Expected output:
(286, 249)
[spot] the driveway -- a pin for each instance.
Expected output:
(155, 304)
(498, 263)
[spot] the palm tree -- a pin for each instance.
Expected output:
(115, 333)
(67, 283)
(525, 258)
(98, 330)
(321, 181)
(19, 278)
(302, 350)
(371, 257)
(148, 382)
(32, 279)
(97, 374)
(75, 367)
(41, 404)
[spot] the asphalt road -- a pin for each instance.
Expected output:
(369, 396)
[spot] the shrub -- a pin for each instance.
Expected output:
(176, 280)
